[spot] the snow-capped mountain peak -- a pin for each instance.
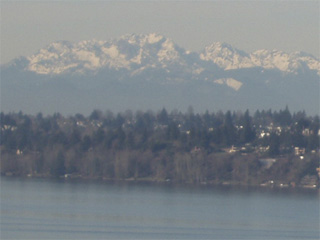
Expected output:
(135, 52)
(153, 69)
(225, 56)
(126, 52)
(286, 62)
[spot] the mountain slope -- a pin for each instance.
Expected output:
(151, 71)
(228, 57)
(130, 52)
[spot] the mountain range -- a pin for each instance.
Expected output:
(150, 71)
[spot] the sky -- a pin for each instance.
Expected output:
(27, 26)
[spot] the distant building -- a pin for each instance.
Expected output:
(234, 149)
(263, 149)
(306, 132)
(299, 151)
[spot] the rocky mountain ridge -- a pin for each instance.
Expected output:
(137, 52)
(150, 71)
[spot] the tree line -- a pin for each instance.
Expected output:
(183, 147)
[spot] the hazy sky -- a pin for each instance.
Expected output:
(27, 26)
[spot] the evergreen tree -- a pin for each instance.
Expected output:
(247, 134)
(274, 145)
(229, 131)
(163, 117)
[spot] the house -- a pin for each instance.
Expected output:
(8, 127)
(264, 134)
(234, 149)
(80, 124)
(306, 132)
(262, 149)
(299, 151)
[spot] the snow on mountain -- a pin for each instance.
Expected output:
(312, 62)
(285, 62)
(139, 52)
(63, 56)
(231, 82)
(227, 57)
(150, 68)
(128, 52)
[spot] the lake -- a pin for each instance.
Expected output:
(75, 209)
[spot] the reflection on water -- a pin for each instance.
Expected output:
(58, 209)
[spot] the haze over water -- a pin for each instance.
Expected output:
(56, 209)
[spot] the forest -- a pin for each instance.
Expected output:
(266, 148)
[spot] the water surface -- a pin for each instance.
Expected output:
(59, 209)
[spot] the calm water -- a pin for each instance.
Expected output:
(56, 209)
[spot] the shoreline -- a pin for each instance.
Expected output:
(226, 184)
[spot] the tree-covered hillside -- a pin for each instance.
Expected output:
(231, 148)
